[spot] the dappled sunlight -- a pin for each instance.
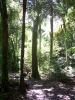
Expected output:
(64, 97)
(14, 76)
(36, 85)
(73, 89)
(44, 89)
(50, 94)
(50, 89)
(39, 94)
(62, 86)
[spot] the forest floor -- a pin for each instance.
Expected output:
(46, 90)
(43, 90)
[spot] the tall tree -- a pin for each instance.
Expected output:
(4, 17)
(36, 25)
(22, 85)
(40, 21)
(51, 33)
(35, 73)
(40, 18)
(63, 7)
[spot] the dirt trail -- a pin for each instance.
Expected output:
(42, 90)
(46, 90)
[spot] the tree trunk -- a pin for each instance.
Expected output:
(39, 41)
(67, 59)
(4, 17)
(51, 33)
(35, 73)
(13, 56)
(22, 85)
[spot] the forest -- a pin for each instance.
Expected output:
(37, 50)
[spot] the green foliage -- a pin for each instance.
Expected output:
(71, 14)
(43, 62)
(58, 76)
(44, 59)
(72, 49)
(61, 9)
(14, 29)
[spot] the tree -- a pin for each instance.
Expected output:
(62, 11)
(37, 10)
(4, 17)
(40, 34)
(14, 28)
(35, 73)
(22, 85)
(51, 33)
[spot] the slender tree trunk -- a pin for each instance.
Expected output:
(16, 47)
(4, 17)
(39, 41)
(65, 42)
(35, 73)
(0, 29)
(51, 33)
(22, 86)
(14, 57)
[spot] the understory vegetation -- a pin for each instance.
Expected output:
(37, 42)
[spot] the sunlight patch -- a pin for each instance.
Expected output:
(37, 85)
(36, 94)
(72, 95)
(40, 94)
(63, 97)
(73, 89)
(61, 86)
(35, 91)
(50, 89)
(50, 94)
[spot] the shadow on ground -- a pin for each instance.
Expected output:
(41, 90)
(46, 90)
